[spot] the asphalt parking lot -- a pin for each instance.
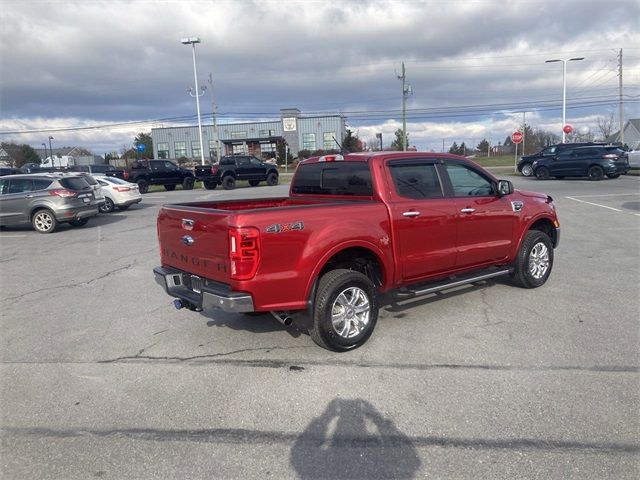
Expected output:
(102, 378)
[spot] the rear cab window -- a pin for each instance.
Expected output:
(333, 178)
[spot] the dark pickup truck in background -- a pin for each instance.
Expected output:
(234, 168)
(159, 172)
(354, 228)
(107, 170)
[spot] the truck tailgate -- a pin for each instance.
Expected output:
(195, 240)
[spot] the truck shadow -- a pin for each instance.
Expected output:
(351, 439)
(255, 323)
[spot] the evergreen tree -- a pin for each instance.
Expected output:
(397, 143)
(454, 148)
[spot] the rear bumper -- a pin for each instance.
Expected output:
(212, 296)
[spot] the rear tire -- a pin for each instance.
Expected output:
(44, 221)
(534, 262)
(108, 206)
(169, 188)
(187, 183)
(272, 179)
(143, 186)
(542, 173)
(228, 182)
(595, 173)
(254, 183)
(209, 184)
(345, 310)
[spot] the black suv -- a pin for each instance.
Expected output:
(526, 161)
(594, 162)
(237, 167)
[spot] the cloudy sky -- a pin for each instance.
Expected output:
(93, 74)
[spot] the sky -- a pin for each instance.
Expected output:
(94, 74)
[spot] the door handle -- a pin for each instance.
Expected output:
(411, 214)
(468, 210)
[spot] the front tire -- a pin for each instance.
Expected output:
(44, 221)
(209, 184)
(254, 183)
(345, 310)
(228, 182)
(542, 173)
(595, 173)
(534, 262)
(272, 179)
(527, 170)
(187, 183)
(108, 206)
(169, 188)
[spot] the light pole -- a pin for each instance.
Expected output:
(564, 88)
(51, 149)
(45, 149)
(192, 41)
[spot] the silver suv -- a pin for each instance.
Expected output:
(45, 200)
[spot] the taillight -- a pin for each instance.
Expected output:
(125, 174)
(244, 252)
(61, 192)
(121, 189)
(214, 169)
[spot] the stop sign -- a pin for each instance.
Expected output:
(516, 137)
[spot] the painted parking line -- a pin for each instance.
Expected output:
(607, 195)
(602, 206)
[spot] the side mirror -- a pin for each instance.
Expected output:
(505, 187)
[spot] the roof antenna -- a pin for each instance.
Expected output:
(342, 149)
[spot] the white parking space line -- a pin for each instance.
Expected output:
(602, 206)
(607, 195)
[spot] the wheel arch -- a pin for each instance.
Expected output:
(543, 224)
(363, 258)
(37, 208)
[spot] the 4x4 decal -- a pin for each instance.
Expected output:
(285, 227)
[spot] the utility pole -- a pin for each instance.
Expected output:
(621, 107)
(214, 119)
(406, 91)
(443, 145)
(524, 129)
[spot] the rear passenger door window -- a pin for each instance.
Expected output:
(416, 181)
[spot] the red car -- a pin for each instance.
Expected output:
(355, 227)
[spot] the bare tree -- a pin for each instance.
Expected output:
(605, 125)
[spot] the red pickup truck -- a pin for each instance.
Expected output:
(353, 228)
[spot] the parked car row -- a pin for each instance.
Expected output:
(591, 159)
(45, 200)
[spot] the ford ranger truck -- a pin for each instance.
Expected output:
(355, 229)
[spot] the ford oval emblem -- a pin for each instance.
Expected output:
(187, 240)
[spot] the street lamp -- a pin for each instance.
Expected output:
(50, 149)
(564, 87)
(45, 149)
(192, 41)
